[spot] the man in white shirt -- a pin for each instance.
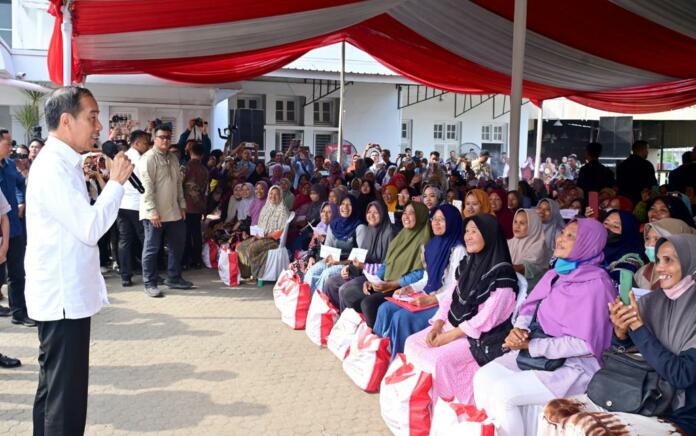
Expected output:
(64, 285)
(130, 228)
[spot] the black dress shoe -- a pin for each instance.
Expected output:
(9, 362)
(24, 320)
(5, 311)
(126, 283)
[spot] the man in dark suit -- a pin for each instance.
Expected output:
(593, 175)
(636, 172)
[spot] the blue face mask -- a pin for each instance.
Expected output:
(650, 252)
(563, 266)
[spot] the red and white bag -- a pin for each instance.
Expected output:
(368, 359)
(405, 398)
(320, 318)
(210, 254)
(291, 297)
(343, 332)
(451, 418)
(227, 266)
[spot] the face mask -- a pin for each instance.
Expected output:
(650, 253)
(612, 237)
(563, 266)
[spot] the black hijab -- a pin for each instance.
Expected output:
(677, 208)
(365, 199)
(481, 273)
(377, 238)
(313, 212)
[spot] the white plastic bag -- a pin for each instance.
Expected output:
(343, 332)
(320, 319)
(292, 297)
(454, 419)
(367, 360)
(405, 398)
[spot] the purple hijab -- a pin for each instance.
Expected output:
(576, 304)
(257, 204)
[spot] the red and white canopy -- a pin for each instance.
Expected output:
(617, 55)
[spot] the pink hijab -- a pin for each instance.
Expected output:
(258, 203)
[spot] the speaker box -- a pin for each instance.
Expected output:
(250, 126)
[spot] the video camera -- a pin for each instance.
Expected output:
(198, 122)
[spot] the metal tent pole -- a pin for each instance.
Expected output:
(340, 103)
(518, 42)
(66, 29)
(539, 132)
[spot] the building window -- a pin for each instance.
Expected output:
(324, 113)
(6, 21)
(486, 132)
(321, 140)
(497, 133)
(285, 111)
(451, 132)
(285, 139)
(438, 130)
(406, 126)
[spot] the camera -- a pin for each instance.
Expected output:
(198, 122)
(118, 119)
(36, 132)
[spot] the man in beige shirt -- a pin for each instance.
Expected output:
(162, 210)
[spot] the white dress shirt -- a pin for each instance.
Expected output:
(62, 257)
(131, 196)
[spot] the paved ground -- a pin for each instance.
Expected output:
(209, 361)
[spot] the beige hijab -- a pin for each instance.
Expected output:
(646, 276)
(273, 216)
(532, 248)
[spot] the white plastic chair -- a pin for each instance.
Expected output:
(278, 258)
(521, 295)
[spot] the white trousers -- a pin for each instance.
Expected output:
(502, 393)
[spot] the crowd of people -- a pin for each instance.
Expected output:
(446, 230)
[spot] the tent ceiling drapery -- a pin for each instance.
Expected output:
(616, 55)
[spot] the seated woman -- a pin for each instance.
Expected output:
(253, 252)
(482, 300)
(442, 256)
(475, 203)
(402, 266)
(233, 204)
(318, 196)
(344, 233)
(389, 196)
(377, 235)
(317, 238)
(669, 207)
(646, 277)
(498, 199)
(432, 197)
(242, 222)
(288, 196)
(260, 196)
(662, 326)
(551, 219)
(624, 247)
(366, 195)
(528, 250)
(570, 303)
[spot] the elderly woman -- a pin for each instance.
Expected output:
(528, 250)
(477, 308)
(646, 277)
(662, 327)
(252, 253)
(565, 317)
(441, 257)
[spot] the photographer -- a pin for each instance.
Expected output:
(93, 167)
(193, 125)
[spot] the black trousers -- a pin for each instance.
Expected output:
(194, 239)
(13, 269)
(351, 295)
(60, 406)
(130, 240)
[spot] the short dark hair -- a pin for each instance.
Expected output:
(63, 100)
(39, 140)
(407, 149)
(163, 128)
(594, 149)
(217, 153)
(137, 135)
(435, 153)
(3, 132)
(687, 157)
(197, 149)
(386, 151)
(639, 145)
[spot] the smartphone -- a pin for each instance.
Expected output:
(625, 286)
(593, 202)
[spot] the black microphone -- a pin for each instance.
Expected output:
(111, 149)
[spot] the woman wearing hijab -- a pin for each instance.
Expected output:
(646, 277)
(260, 195)
(366, 196)
(302, 199)
(623, 236)
(481, 302)
(570, 305)
(475, 203)
(317, 236)
(344, 233)
(669, 207)
(498, 199)
(442, 255)
(402, 266)
(276, 174)
(432, 197)
(233, 204)
(551, 219)
(389, 196)
(288, 196)
(252, 253)
(514, 201)
(377, 235)
(259, 173)
(528, 250)
(662, 327)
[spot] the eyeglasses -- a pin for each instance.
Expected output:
(22, 156)
(164, 138)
